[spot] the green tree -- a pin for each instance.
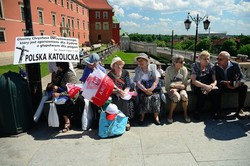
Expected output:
(149, 39)
(204, 44)
(245, 50)
(230, 46)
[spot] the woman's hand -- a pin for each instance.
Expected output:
(55, 88)
(149, 92)
(121, 93)
(55, 94)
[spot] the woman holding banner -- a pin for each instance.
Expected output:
(147, 79)
(121, 95)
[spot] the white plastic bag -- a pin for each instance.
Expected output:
(87, 116)
(39, 110)
(53, 120)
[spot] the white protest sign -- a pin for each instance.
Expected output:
(36, 49)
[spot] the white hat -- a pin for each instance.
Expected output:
(116, 59)
(112, 109)
(142, 55)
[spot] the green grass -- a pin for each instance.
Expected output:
(127, 57)
(14, 68)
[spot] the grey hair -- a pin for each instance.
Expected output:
(176, 58)
(225, 53)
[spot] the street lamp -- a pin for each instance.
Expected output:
(197, 20)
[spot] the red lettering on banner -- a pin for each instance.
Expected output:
(93, 82)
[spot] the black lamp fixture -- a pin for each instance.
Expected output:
(197, 20)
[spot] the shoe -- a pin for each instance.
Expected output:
(128, 126)
(170, 120)
(67, 127)
(187, 119)
(239, 116)
(241, 111)
(218, 116)
(157, 122)
(197, 116)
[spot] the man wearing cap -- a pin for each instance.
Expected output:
(230, 78)
(92, 62)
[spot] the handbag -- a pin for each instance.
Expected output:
(53, 120)
(110, 128)
(148, 84)
(87, 116)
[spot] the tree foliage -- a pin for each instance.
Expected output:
(230, 46)
(245, 50)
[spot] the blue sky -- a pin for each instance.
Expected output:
(163, 16)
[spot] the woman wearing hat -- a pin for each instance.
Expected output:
(122, 82)
(147, 79)
(176, 81)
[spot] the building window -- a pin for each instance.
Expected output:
(53, 32)
(84, 35)
(105, 26)
(73, 34)
(77, 8)
(68, 23)
(1, 9)
(114, 25)
(78, 35)
(2, 35)
(24, 32)
(22, 12)
(42, 32)
(97, 26)
(68, 4)
(62, 3)
(71, 6)
(78, 24)
(83, 25)
(55, 1)
(63, 21)
(83, 11)
(40, 15)
(105, 15)
(72, 23)
(54, 19)
(97, 15)
(88, 26)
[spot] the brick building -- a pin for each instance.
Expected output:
(101, 22)
(68, 18)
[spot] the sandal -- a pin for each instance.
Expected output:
(128, 126)
(67, 127)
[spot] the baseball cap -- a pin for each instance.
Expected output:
(92, 58)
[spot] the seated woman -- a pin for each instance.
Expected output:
(63, 76)
(147, 79)
(176, 81)
(204, 84)
(122, 82)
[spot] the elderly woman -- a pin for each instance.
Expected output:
(122, 82)
(147, 79)
(63, 76)
(176, 81)
(204, 84)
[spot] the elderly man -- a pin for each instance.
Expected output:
(230, 78)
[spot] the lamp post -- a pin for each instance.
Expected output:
(196, 20)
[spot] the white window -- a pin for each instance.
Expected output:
(83, 11)
(97, 26)
(63, 21)
(42, 32)
(77, 8)
(105, 26)
(55, 1)
(62, 2)
(40, 16)
(83, 25)
(22, 12)
(68, 23)
(78, 24)
(97, 14)
(2, 34)
(71, 6)
(72, 23)
(1, 9)
(68, 4)
(78, 35)
(105, 15)
(53, 18)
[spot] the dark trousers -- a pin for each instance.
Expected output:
(213, 96)
(96, 117)
(242, 94)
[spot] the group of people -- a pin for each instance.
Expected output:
(208, 82)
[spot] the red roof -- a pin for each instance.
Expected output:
(97, 4)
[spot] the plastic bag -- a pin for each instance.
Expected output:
(53, 120)
(87, 116)
(98, 87)
(109, 128)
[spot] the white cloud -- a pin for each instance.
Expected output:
(165, 19)
(130, 24)
(118, 11)
(135, 15)
(146, 18)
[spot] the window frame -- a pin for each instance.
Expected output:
(104, 26)
(98, 24)
(97, 14)
(22, 12)
(41, 20)
(53, 21)
(104, 15)
(2, 30)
